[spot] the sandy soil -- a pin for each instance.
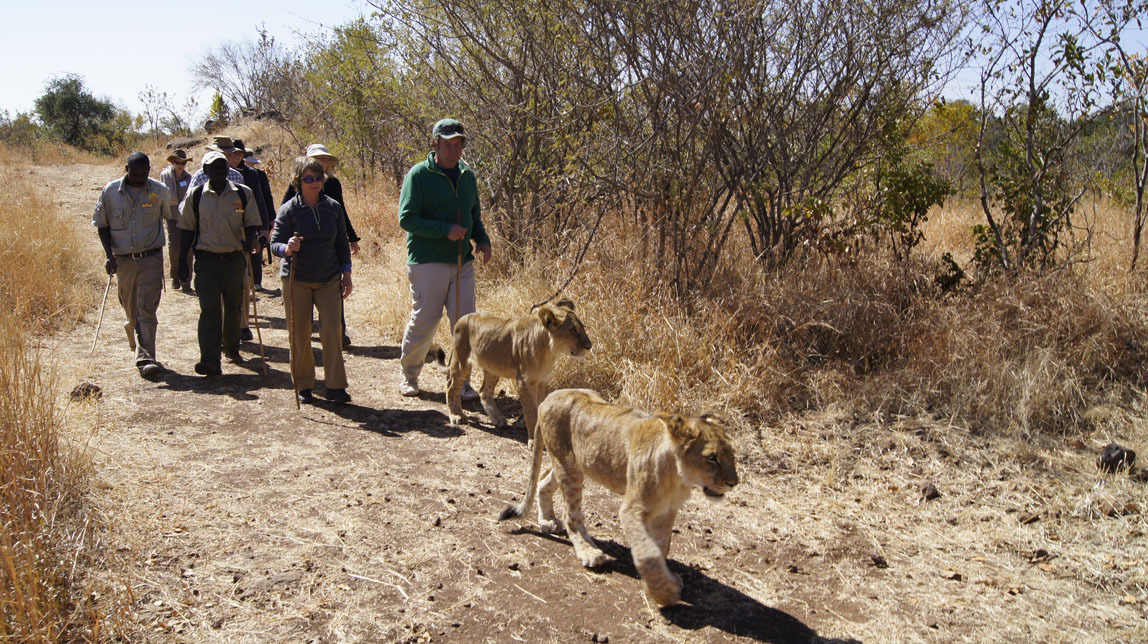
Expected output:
(232, 517)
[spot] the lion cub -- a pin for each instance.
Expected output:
(654, 461)
(524, 349)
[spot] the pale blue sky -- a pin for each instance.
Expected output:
(119, 47)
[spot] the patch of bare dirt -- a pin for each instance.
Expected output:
(232, 517)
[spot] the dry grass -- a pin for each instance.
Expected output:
(43, 533)
(860, 382)
(857, 383)
(47, 271)
(45, 152)
(1028, 356)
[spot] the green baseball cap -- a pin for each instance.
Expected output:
(448, 129)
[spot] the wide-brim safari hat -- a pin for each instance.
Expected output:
(179, 155)
(222, 144)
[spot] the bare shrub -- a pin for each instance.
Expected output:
(875, 336)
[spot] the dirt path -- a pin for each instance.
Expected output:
(235, 518)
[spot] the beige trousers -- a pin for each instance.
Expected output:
(140, 283)
(432, 291)
(299, 303)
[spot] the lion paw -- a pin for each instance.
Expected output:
(458, 419)
(667, 593)
(592, 558)
(550, 526)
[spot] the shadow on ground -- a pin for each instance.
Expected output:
(390, 422)
(709, 602)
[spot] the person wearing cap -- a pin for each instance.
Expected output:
(129, 219)
(177, 180)
(312, 240)
(222, 227)
(439, 209)
(332, 188)
(225, 146)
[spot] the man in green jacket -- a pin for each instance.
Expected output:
(439, 209)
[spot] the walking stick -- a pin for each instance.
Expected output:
(100, 321)
(290, 299)
(255, 314)
(457, 279)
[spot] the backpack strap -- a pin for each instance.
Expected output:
(197, 193)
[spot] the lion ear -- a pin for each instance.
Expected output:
(565, 304)
(679, 427)
(550, 320)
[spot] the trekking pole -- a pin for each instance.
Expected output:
(457, 279)
(290, 299)
(100, 321)
(255, 314)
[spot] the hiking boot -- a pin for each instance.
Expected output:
(245, 335)
(149, 369)
(468, 392)
(175, 283)
(234, 357)
(346, 340)
(205, 369)
(409, 387)
(306, 397)
(187, 288)
(337, 396)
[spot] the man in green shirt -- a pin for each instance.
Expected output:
(439, 209)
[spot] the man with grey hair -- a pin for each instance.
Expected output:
(129, 218)
(439, 210)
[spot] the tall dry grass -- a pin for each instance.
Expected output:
(46, 283)
(871, 337)
(42, 529)
(47, 152)
(48, 273)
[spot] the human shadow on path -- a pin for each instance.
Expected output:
(244, 385)
(382, 352)
(392, 422)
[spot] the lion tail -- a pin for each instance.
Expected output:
(520, 509)
(437, 357)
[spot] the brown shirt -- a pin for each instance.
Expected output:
(222, 217)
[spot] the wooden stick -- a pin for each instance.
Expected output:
(100, 321)
(255, 312)
(457, 280)
(290, 299)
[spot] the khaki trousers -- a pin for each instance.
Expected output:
(140, 283)
(432, 291)
(173, 243)
(299, 303)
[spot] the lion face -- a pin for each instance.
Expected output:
(707, 460)
(565, 327)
